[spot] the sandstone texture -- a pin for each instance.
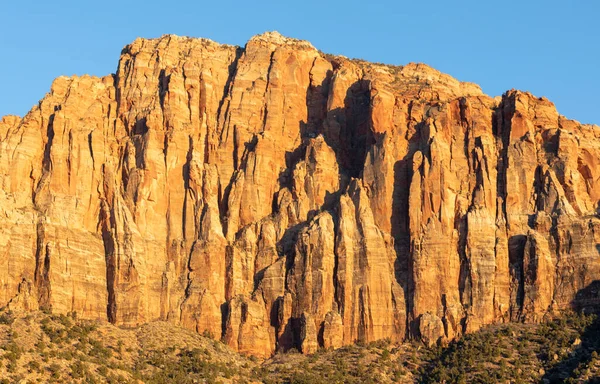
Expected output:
(278, 197)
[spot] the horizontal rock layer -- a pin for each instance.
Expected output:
(278, 197)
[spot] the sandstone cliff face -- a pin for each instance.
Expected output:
(278, 197)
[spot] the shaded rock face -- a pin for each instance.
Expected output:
(279, 198)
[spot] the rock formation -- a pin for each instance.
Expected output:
(278, 197)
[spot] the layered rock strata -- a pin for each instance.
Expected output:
(277, 197)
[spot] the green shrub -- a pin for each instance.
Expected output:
(79, 370)
(103, 371)
(7, 318)
(54, 370)
(34, 366)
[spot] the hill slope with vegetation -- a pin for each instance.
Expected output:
(40, 347)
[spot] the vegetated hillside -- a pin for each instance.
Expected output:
(280, 198)
(48, 348)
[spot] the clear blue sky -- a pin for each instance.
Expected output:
(550, 48)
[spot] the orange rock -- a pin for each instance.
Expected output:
(277, 197)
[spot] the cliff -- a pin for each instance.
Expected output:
(279, 197)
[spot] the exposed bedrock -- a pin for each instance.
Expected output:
(277, 197)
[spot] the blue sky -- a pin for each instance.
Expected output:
(550, 48)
